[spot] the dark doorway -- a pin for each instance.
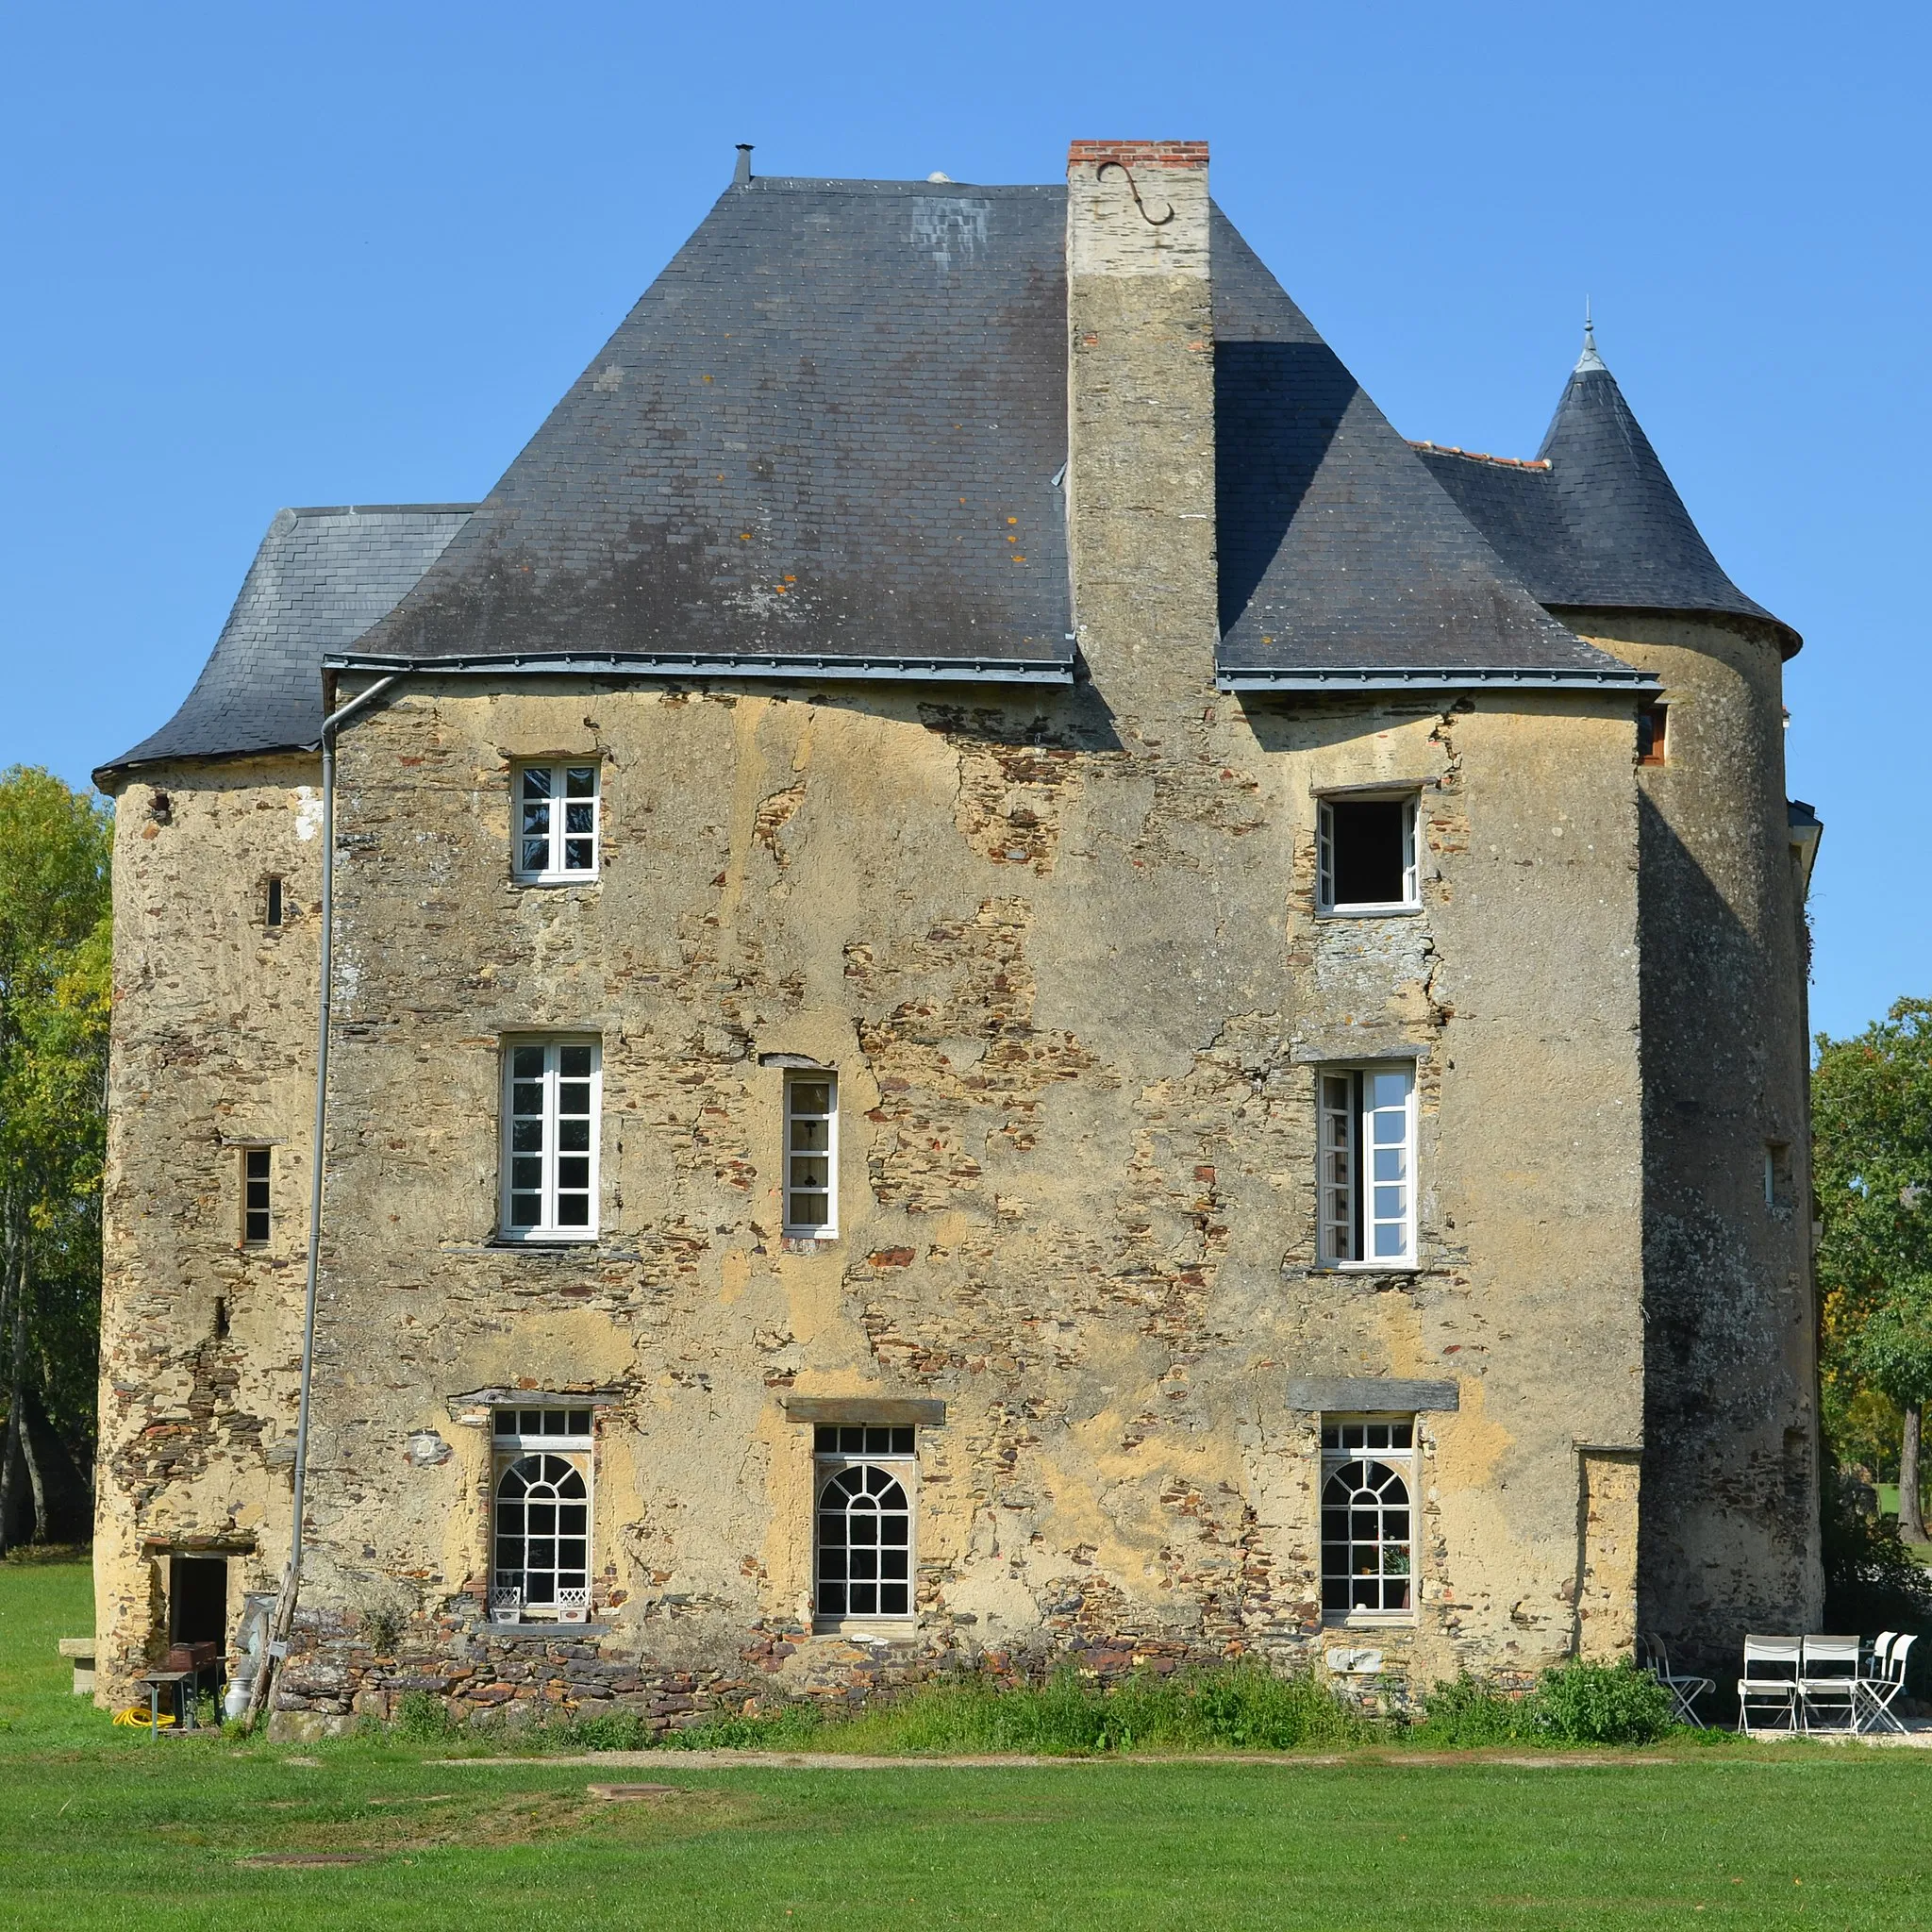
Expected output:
(198, 1600)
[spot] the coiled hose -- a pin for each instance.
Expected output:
(137, 1716)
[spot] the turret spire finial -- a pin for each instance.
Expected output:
(1589, 358)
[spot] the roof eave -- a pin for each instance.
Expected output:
(1790, 641)
(1444, 677)
(847, 669)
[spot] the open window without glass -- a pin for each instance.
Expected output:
(811, 1155)
(1366, 1172)
(558, 830)
(552, 1091)
(863, 1534)
(1368, 1550)
(1366, 854)
(541, 1519)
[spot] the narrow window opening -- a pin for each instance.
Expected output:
(1366, 1166)
(1368, 1478)
(1777, 1174)
(556, 812)
(1653, 725)
(220, 1322)
(863, 1535)
(271, 917)
(552, 1092)
(1366, 854)
(811, 1154)
(255, 1196)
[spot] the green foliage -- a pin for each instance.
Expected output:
(1870, 1579)
(54, 962)
(1469, 1713)
(420, 1717)
(1582, 1703)
(1577, 1702)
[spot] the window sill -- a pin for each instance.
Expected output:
(868, 1629)
(526, 1632)
(808, 1243)
(555, 878)
(1368, 1267)
(1368, 1620)
(544, 1241)
(1367, 911)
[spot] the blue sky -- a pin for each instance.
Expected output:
(261, 255)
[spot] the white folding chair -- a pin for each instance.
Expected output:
(1770, 1678)
(1685, 1688)
(1829, 1683)
(1883, 1683)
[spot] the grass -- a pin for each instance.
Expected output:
(100, 1828)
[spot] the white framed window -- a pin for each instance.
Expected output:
(1365, 1186)
(1368, 1537)
(540, 1555)
(863, 1534)
(558, 809)
(1366, 854)
(256, 1167)
(552, 1093)
(811, 1154)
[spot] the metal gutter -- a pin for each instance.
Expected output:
(1450, 677)
(699, 665)
(291, 1576)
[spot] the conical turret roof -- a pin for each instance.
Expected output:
(1595, 522)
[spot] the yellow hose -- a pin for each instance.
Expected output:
(136, 1715)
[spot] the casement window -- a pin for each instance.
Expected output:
(864, 1480)
(557, 828)
(811, 1154)
(255, 1196)
(551, 1095)
(1366, 854)
(1368, 1549)
(541, 1529)
(1366, 1174)
(1653, 734)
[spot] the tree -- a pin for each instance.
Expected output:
(55, 945)
(1872, 1157)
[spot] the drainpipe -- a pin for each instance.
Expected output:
(285, 1607)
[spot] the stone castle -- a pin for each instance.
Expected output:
(992, 982)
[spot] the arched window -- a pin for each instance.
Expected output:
(542, 1529)
(1365, 1539)
(865, 1544)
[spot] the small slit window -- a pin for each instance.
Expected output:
(1653, 734)
(271, 910)
(255, 1197)
(552, 1091)
(811, 1155)
(863, 1533)
(1368, 1550)
(1366, 1166)
(1367, 855)
(557, 829)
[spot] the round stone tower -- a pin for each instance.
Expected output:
(1728, 1536)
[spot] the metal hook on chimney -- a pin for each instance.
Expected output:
(1152, 220)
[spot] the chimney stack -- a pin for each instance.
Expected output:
(1141, 419)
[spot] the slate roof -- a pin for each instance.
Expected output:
(1601, 527)
(320, 579)
(1344, 564)
(828, 438)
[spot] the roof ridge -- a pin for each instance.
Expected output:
(1478, 455)
(380, 509)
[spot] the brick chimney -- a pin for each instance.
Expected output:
(1141, 419)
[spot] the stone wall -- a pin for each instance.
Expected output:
(1730, 1527)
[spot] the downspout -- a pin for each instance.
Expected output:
(292, 1577)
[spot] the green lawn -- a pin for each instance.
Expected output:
(101, 1827)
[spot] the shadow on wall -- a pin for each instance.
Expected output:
(1719, 1479)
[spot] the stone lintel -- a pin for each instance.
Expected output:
(162, 1542)
(1371, 1395)
(461, 1407)
(880, 1410)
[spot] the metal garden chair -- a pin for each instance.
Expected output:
(1883, 1682)
(1829, 1683)
(1685, 1688)
(1770, 1678)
